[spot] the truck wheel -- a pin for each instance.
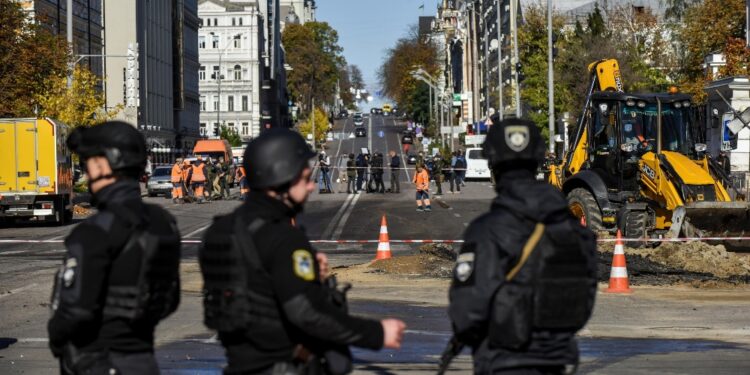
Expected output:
(583, 205)
(636, 223)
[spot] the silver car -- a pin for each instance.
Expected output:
(160, 182)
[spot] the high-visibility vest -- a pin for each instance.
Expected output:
(198, 175)
(177, 173)
(422, 180)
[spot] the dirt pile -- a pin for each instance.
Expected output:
(81, 210)
(698, 257)
(433, 260)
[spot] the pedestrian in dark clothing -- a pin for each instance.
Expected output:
(395, 172)
(211, 174)
(454, 175)
(377, 173)
(267, 292)
(437, 173)
(460, 169)
(351, 175)
(526, 276)
(120, 274)
(361, 170)
(224, 178)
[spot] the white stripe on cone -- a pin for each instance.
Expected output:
(619, 249)
(384, 246)
(618, 273)
(383, 229)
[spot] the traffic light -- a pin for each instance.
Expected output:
(131, 76)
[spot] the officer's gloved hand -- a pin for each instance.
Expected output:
(324, 271)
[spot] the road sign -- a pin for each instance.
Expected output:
(381, 134)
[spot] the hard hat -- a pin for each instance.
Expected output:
(275, 158)
(118, 141)
(511, 142)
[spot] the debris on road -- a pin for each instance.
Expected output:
(81, 210)
(432, 260)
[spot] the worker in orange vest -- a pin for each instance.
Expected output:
(422, 182)
(186, 173)
(241, 176)
(176, 178)
(198, 179)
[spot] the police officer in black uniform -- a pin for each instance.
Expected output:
(265, 288)
(525, 278)
(120, 275)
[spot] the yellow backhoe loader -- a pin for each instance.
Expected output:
(633, 165)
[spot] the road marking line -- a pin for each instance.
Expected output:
(18, 290)
(57, 238)
(14, 252)
(428, 333)
(201, 229)
(332, 224)
(342, 222)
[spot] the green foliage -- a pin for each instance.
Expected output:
(30, 56)
(231, 135)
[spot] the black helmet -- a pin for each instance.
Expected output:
(118, 141)
(275, 158)
(513, 143)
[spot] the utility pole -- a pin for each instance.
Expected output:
(486, 75)
(516, 60)
(500, 38)
(312, 117)
(69, 29)
(550, 78)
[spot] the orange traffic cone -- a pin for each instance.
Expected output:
(384, 244)
(618, 277)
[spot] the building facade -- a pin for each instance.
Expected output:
(158, 83)
(87, 25)
(230, 43)
(296, 11)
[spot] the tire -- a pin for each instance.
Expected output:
(583, 204)
(636, 224)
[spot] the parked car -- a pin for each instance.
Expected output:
(411, 159)
(160, 182)
(476, 165)
(407, 139)
(360, 131)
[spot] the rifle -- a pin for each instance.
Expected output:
(452, 350)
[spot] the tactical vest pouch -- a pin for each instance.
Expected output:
(510, 326)
(565, 284)
(227, 300)
(156, 293)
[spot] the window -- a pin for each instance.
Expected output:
(230, 126)
(216, 103)
(244, 103)
(202, 73)
(215, 41)
(216, 22)
(202, 129)
(215, 74)
(203, 103)
(237, 73)
(234, 21)
(208, 22)
(245, 128)
(237, 42)
(240, 21)
(230, 103)
(216, 129)
(202, 41)
(200, 22)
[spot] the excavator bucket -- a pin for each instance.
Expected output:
(714, 221)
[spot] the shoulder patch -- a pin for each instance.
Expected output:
(303, 264)
(464, 269)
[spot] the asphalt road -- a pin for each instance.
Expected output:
(186, 347)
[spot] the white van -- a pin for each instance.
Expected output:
(476, 165)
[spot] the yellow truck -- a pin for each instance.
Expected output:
(36, 171)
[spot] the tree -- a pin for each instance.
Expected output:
(726, 19)
(80, 105)
(321, 125)
(231, 135)
(676, 8)
(395, 76)
(313, 52)
(29, 55)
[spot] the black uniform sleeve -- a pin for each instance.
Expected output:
(306, 302)
(479, 272)
(81, 282)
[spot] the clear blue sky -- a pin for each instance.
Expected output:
(368, 27)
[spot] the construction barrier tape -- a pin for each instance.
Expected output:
(602, 240)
